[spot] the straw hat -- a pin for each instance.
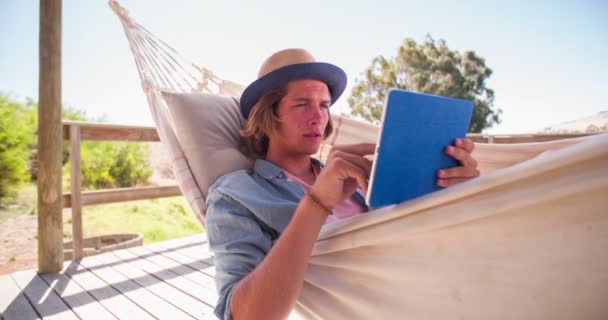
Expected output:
(289, 65)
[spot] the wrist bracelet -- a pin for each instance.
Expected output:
(318, 203)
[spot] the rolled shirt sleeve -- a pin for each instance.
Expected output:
(239, 243)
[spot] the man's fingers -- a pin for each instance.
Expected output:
(465, 144)
(461, 151)
(339, 179)
(461, 155)
(450, 182)
(356, 172)
(458, 172)
(348, 170)
(361, 162)
(361, 149)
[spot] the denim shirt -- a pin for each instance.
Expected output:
(247, 210)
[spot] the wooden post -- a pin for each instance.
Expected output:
(76, 200)
(50, 224)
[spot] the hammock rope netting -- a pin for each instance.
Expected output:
(526, 240)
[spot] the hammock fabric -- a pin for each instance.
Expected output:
(528, 241)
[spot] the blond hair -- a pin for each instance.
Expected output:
(264, 119)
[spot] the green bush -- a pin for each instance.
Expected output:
(67, 113)
(17, 128)
(108, 164)
(113, 164)
(103, 164)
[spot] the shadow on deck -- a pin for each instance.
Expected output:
(166, 280)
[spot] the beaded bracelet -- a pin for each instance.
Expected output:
(318, 203)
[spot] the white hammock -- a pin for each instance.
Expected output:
(529, 241)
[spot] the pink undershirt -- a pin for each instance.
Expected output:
(347, 208)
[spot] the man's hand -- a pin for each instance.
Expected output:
(345, 169)
(461, 150)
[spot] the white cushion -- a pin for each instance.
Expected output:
(207, 127)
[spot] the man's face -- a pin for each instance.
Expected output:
(304, 113)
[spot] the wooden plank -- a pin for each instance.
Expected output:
(110, 298)
(191, 248)
(198, 242)
(75, 186)
(13, 304)
(50, 226)
(529, 139)
(184, 302)
(192, 253)
(522, 138)
(112, 132)
(171, 277)
(186, 270)
(43, 298)
(199, 239)
(123, 194)
(75, 296)
(199, 251)
(148, 301)
(204, 265)
(195, 247)
(196, 254)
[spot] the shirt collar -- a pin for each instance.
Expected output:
(270, 171)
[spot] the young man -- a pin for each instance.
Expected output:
(262, 223)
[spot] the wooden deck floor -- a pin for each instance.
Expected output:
(167, 280)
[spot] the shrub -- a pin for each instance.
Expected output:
(106, 164)
(67, 113)
(103, 164)
(113, 164)
(17, 122)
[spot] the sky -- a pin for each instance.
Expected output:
(548, 57)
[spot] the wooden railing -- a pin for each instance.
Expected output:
(522, 138)
(75, 132)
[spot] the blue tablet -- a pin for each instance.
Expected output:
(414, 132)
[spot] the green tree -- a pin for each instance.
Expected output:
(110, 164)
(103, 163)
(430, 67)
(16, 140)
(67, 113)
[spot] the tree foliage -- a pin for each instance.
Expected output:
(103, 164)
(113, 164)
(16, 140)
(429, 67)
(107, 164)
(67, 113)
